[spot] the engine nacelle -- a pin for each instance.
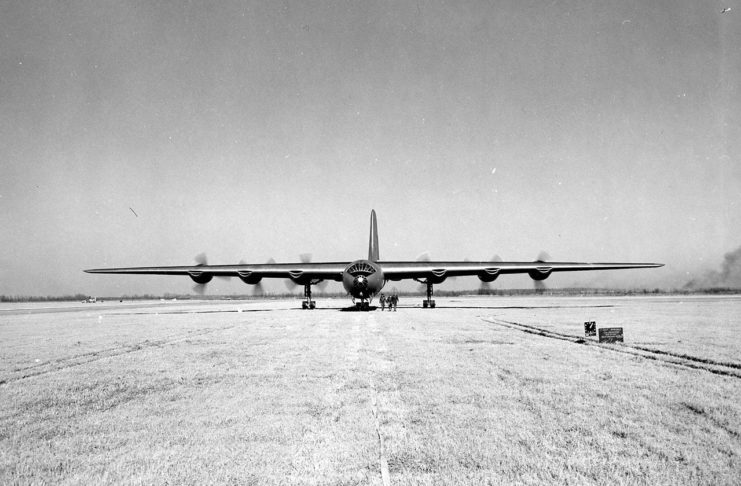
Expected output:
(438, 276)
(489, 274)
(540, 273)
(201, 278)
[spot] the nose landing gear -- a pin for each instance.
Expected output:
(362, 303)
(360, 288)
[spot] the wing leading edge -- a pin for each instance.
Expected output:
(399, 270)
(295, 271)
(439, 270)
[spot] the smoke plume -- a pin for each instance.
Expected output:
(728, 276)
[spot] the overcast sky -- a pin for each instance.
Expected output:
(596, 131)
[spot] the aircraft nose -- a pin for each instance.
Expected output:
(360, 282)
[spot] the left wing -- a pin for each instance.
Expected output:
(491, 270)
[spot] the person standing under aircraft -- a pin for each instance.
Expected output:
(383, 302)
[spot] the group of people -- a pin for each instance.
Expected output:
(391, 301)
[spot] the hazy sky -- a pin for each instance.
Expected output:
(596, 131)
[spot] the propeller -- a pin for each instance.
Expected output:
(202, 260)
(305, 258)
(257, 289)
(485, 287)
(539, 285)
(290, 284)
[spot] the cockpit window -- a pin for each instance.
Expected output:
(361, 268)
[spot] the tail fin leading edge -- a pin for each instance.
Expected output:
(373, 243)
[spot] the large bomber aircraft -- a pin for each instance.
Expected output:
(363, 279)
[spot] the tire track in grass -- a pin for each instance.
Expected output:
(682, 360)
(62, 364)
(373, 366)
(353, 378)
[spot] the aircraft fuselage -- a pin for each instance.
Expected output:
(363, 279)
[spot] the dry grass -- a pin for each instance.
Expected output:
(179, 393)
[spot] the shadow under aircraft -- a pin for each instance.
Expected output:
(364, 279)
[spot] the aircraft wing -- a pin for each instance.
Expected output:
(295, 271)
(439, 270)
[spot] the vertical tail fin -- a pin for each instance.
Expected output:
(373, 243)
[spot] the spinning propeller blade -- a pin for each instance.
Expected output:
(539, 285)
(201, 260)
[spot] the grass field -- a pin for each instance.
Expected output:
(479, 390)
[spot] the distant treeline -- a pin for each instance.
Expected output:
(340, 295)
(41, 298)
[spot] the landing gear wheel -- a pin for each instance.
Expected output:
(362, 306)
(428, 302)
(307, 302)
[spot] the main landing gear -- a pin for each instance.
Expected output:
(308, 303)
(428, 302)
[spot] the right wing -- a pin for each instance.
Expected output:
(298, 272)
